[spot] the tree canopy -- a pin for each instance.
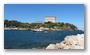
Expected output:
(50, 25)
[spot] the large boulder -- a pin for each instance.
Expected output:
(51, 46)
(70, 42)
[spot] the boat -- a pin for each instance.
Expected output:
(45, 31)
(37, 30)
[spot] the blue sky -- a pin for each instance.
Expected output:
(67, 13)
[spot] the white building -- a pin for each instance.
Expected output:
(50, 18)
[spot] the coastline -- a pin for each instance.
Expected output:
(70, 42)
(44, 29)
(15, 28)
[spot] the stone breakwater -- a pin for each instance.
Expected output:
(70, 42)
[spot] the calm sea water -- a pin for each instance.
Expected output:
(25, 39)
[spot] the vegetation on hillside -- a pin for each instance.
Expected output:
(50, 25)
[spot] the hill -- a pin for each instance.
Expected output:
(49, 25)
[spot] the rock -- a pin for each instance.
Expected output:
(81, 43)
(51, 46)
(77, 47)
(62, 44)
(70, 42)
(67, 47)
(58, 45)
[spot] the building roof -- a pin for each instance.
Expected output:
(38, 22)
(50, 16)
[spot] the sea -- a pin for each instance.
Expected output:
(26, 39)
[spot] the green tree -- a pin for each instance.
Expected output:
(6, 23)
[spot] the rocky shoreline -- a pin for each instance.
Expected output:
(15, 28)
(70, 42)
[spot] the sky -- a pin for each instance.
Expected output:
(67, 13)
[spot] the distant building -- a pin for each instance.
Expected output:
(38, 22)
(50, 18)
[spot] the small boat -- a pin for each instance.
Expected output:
(36, 30)
(45, 31)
